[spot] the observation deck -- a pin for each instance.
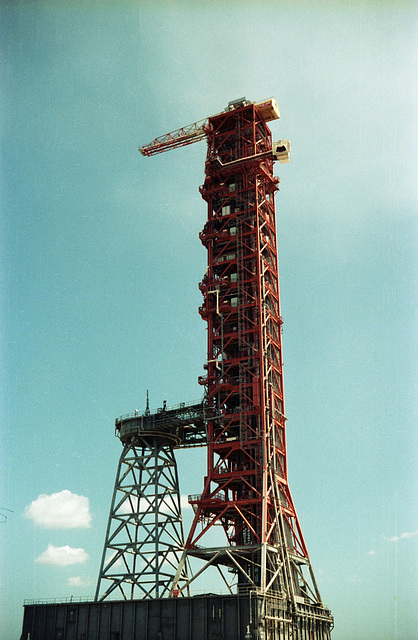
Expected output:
(183, 425)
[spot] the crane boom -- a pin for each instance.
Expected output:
(198, 130)
(178, 138)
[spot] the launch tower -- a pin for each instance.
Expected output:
(263, 560)
(242, 417)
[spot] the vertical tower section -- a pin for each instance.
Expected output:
(144, 538)
(246, 489)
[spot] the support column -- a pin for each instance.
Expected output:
(144, 538)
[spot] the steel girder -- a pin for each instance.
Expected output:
(144, 537)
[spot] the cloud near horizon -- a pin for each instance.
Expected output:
(78, 581)
(63, 510)
(184, 502)
(147, 505)
(404, 536)
(62, 556)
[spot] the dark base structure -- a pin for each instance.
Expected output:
(206, 617)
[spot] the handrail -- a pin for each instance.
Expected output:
(173, 407)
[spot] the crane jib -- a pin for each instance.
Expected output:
(268, 110)
(174, 139)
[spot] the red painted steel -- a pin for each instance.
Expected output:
(247, 463)
(178, 138)
(246, 488)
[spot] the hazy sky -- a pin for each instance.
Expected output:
(100, 262)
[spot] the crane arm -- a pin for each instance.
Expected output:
(178, 138)
(198, 130)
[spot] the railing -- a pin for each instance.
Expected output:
(197, 497)
(80, 599)
(173, 407)
(67, 600)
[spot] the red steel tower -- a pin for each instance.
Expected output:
(246, 488)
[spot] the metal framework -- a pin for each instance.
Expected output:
(241, 419)
(144, 537)
(178, 138)
(246, 489)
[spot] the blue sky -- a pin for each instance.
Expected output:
(100, 262)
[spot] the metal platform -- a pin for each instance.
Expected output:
(182, 424)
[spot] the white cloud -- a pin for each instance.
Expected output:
(184, 502)
(63, 510)
(78, 581)
(110, 557)
(372, 552)
(403, 536)
(409, 534)
(147, 505)
(62, 556)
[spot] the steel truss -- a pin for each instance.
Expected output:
(144, 538)
(241, 419)
(246, 489)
